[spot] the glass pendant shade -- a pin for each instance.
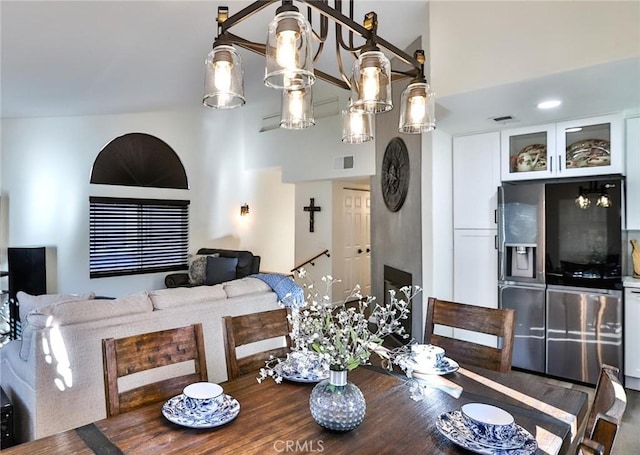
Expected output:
(296, 112)
(371, 85)
(357, 127)
(417, 109)
(603, 201)
(223, 85)
(583, 201)
(289, 52)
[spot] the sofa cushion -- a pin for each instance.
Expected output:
(28, 303)
(220, 269)
(244, 286)
(248, 263)
(163, 299)
(67, 312)
(77, 311)
(198, 268)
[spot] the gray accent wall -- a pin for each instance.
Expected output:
(396, 237)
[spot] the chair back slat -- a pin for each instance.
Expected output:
(490, 321)
(605, 415)
(250, 328)
(138, 353)
(153, 350)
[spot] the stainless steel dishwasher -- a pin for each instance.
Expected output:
(584, 331)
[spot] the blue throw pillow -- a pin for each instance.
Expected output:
(220, 269)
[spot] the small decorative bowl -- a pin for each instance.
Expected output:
(203, 397)
(488, 422)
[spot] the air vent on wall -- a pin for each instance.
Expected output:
(343, 162)
(503, 119)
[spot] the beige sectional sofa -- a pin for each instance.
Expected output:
(54, 375)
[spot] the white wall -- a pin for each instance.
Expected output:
(46, 164)
(304, 154)
(308, 244)
(480, 44)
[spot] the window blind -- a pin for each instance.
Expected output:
(134, 236)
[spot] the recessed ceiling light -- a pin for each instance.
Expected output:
(549, 104)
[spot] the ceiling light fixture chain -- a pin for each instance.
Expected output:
(290, 66)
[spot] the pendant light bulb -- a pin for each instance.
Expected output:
(370, 83)
(286, 49)
(356, 123)
(296, 106)
(222, 78)
(417, 108)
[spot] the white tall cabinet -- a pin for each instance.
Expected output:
(476, 177)
(633, 173)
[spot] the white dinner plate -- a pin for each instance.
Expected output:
(451, 425)
(175, 411)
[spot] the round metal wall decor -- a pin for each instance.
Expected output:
(395, 174)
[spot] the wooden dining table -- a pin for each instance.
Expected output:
(275, 418)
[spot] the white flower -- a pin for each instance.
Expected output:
(341, 333)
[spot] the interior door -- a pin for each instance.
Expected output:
(356, 205)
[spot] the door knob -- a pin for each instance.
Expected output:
(359, 250)
(368, 250)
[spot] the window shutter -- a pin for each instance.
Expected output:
(134, 236)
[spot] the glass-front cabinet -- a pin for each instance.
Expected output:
(528, 153)
(590, 146)
(582, 147)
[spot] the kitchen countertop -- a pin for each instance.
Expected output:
(630, 282)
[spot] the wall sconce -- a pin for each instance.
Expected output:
(244, 209)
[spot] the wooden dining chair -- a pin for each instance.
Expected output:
(491, 321)
(137, 353)
(250, 328)
(609, 404)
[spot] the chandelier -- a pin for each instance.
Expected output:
(290, 61)
(603, 200)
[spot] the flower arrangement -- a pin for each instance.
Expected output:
(341, 336)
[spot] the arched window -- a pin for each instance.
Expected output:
(132, 236)
(138, 159)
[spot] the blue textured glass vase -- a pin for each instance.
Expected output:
(336, 403)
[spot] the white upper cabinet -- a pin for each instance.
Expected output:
(582, 147)
(592, 146)
(476, 177)
(528, 153)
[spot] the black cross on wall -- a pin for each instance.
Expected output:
(311, 208)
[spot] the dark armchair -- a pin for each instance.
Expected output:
(248, 264)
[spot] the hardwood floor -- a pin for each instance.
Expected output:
(628, 439)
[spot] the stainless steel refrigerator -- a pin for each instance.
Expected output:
(560, 262)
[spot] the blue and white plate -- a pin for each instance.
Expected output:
(306, 377)
(452, 426)
(445, 366)
(175, 411)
